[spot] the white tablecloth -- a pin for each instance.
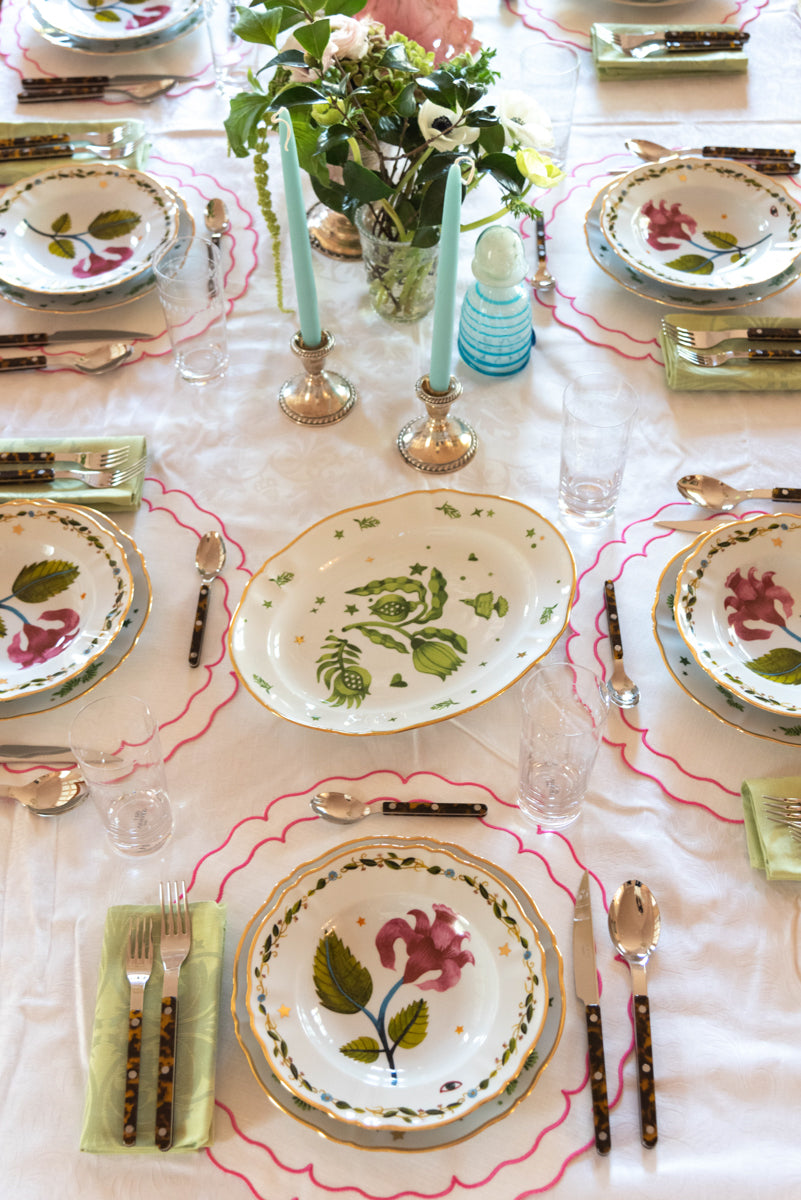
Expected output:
(725, 982)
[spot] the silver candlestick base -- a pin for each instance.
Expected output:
(437, 442)
(319, 397)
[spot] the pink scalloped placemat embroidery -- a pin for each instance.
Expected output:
(278, 1158)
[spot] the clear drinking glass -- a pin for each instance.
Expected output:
(549, 74)
(117, 747)
(564, 716)
(232, 58)
(190, 286)
(598, 413)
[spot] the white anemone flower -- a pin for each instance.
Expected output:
(433, 119)
(525, 121)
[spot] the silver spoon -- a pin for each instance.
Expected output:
(542, 279)
(622, 691)
(217, 222)
(713, 493)
(50, 794)
(344, 810)
(209, 560)
(634, 925)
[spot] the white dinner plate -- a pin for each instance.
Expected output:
(65, 591)
(738, 609)
(700, 686)
(107, 297)
(123, 21)
(404, 612)
(410, 1138)
(78, 229)
(393, 990)
(668, 294)
(146, 40)
(115, 653)
(704, 224)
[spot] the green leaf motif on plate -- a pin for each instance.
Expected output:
(409, 1027)
(782, 664)
(342, 984)
(38, 582)
(362, 1049)
(117, 222)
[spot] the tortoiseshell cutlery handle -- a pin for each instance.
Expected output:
(165, 1086)
(24, 363)
(761, 354)
(793, 494)
(771, 166)
(717, 39)
(40, 139)
(28, 475)
(612, 618)
(10, 457)
(541, 253)
(24, 153)
(426, 808)
(600, 1102)
(745, 152)
(77, 93)
(24, 339)
(46, 81)
(645, 1071)
(132, 1071)
(785, 333)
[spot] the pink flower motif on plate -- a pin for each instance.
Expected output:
(664, 222)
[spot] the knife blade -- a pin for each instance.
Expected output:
(586, 979)
(18, 751)
(73, 335)
(700, 526)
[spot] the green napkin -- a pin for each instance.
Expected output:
(771, 848)
(11, 172)
(612, 63)
(733, 376)
(124, 497)
(196, 1052)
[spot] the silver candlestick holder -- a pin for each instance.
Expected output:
(318, 397)
(437, 442)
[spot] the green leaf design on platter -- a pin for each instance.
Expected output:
(363, 1049)
(115, 223)
(439, 634)
(782, 664)
(409, 1027)
(41, 581)
(379, 638)
(396, 583)
(342, 984)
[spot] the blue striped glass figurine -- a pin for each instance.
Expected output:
(495, 334)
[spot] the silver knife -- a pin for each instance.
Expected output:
(101, 81)
(699, 526)
(73, 335)
(586, 977)
(42, 753)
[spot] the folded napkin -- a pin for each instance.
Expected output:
(196, 1052)
(612, 63)
(735, 375)
(770, 847)
(122, 498)
(10, 172)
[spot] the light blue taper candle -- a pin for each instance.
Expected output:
(439, 376)
(298, 234)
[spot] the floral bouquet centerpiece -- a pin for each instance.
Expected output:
(378, 124)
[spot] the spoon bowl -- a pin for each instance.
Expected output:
(343, 809)
(713, 493)
(216, 218)
(49, 795)
(634, 927)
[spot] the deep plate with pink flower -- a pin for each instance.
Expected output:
(707, 225)
(396, 988)
(78, 229)
(113, 20)
(65, 590)
(738, 609)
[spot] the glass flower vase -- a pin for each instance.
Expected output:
(401, 278)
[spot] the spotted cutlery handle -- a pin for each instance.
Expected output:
(612, 618)
(48, 81)
(541, 239)
(199, 628)
(131, 1107)
(27, 456)
(760, 354)
(600, 1103)
(28, 475)
(23, 363)
(23, 339)
(165, 1086)
(779, 334)
(45, 95)
(430, 808)
(745, 152)
(704, 39)
(41, 139)
(777, 166)
(645, 1071)
(23, 153)
(793, 494)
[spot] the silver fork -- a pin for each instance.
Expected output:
(705, 339)
(138, 967)
(92, 479)
(176, 939)
(67, 150)
(757, 354)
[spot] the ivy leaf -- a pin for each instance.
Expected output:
(41, 581)
(409, 1027)
(260, 27)
(363, 1049)
(115, 223)
(782, 664)
(342, 984)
